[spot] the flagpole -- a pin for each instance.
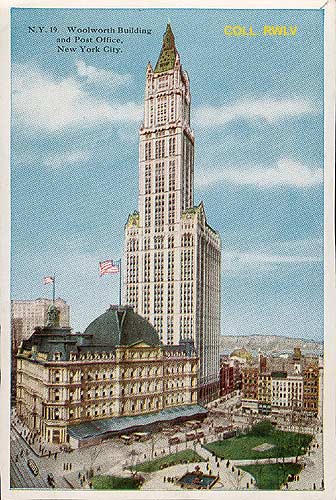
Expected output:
(119, 282)
(54, 290)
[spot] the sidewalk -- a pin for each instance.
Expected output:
(37, 444)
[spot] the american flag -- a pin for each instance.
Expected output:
(108, 267)
(48, 279)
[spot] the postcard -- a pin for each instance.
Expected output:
(168, 311)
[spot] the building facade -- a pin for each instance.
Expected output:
(33, 313)
(283, 385)
(117, 368)
(172, 256)
(229, 376)
(311, 388)
(26, 315)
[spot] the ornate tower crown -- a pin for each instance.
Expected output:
(168, 52)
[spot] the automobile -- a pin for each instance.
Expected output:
(174, 440)
(33, 467)
(141, 436)
(190, 436)
(126, 439)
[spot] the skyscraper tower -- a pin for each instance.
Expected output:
(172, 256)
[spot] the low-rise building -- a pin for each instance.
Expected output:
(311, 389)
(287, 390)
(80, 387)
(230, 376)
(283, 385)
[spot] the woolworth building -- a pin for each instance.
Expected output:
(172, 256)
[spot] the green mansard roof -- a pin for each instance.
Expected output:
(121, 326)
(168, 52)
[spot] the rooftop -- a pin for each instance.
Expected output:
(101, 427)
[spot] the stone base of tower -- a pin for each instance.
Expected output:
(208, 392)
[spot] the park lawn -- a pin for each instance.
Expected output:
(271, 476)
(286, 444)
(168, 460)
(114, 483)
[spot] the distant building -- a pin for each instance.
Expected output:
(311, 389)
(79, 388)
(242, 355)
(287, 391)
(33, 313)
(265, 389)
(230, 376)
(283, 385)
(250, 377)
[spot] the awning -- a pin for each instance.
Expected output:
(101, 427)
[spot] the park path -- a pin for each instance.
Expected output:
(313, 472)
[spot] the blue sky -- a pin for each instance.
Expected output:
(257, 113)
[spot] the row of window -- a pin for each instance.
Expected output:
(163, 147)
(165, 109)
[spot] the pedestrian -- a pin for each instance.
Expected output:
(314, 486)
(90, 485)
(79, 475)
(247, 485)
(164, 479)
(55, 455)
(322, 484)
(49, 453)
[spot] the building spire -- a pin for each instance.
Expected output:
(168, 52)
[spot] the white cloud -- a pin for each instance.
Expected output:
(67, 158)
(100, 76)
(277, 253)
(270, 110)
(42, 102)
(285, 173)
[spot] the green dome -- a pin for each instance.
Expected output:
(121, 326)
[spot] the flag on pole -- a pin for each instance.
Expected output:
(108, 267)
(48, 279)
